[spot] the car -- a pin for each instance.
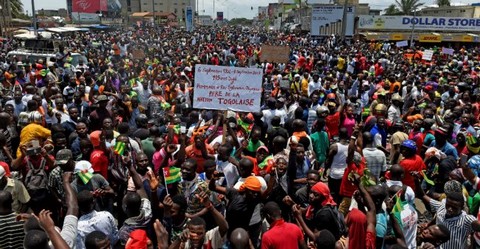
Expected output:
(31, 56)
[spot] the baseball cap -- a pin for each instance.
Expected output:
(263, 147)
(95, 138)
(101, 98)
(63, 156)
(409, 144)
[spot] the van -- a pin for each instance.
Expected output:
(31, 57)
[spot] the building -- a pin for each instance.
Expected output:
(59, 12)
(465, 11)
(205, 20)
(167, 6)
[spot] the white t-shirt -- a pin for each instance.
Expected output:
(230, 171)
(409, 218)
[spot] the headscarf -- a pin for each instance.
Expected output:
(251, 183)
(322, 189)
(95, 138)
(474, 164)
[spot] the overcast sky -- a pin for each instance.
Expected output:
(236, 8)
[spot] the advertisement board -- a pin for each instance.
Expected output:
(366, 22)
(219, 16)
(189, 18)
(89, 6)
(327, 20)
(227, 88)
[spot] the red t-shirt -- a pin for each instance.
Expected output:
(347, 188)
(411, 164)
(333, 123)
(99, 162)
(282, 235)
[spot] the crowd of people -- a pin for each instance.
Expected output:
(356, 146)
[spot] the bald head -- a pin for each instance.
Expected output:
(240, 239)
(396, 172)
(6, 200)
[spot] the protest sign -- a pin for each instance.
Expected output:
(227, 88)
(427, 55)
(138, 54)
(402, 44)
(278, 54)
(449, 51)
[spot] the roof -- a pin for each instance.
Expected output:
(149, 14)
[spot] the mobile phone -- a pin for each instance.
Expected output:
(183, 128)
(463, 160)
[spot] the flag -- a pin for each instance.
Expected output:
(266, 161)
(246, 126)
(172, 175)
(398, 207)
(85, 176)
(119, 148)
(425, 177)
(176, 129)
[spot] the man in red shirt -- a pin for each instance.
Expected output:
(332, 121)
(411, 162)
(281, 234)
(98, 158)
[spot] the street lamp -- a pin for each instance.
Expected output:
(413, 27)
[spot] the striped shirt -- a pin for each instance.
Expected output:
(460, 226)
(11, 231)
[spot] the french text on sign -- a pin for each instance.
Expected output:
(227, 88)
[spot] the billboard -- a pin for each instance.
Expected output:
(219, 16)
(189, 18)
(89, 6)
(366, 22)
(327, 20)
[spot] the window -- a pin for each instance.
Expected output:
(435, 11)
(449, 11)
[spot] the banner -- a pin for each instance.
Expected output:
(402, 44)
(449, 51)
(278, 54)
(227, 88)
(427, 55)
(89, 6)
(366, 22)
(327, 20)
(189, 18)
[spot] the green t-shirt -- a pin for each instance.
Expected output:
(320, 145)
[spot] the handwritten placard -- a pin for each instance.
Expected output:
(227, 88)
(427, 55)
(278, 54)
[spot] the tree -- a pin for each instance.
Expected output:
(442, 3)
(392, 10)
(16, 7)
(407, 7)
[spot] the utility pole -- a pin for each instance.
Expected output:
(413, 28)
(214, 14)
(344, 20)
(153, 11)
(34, 17)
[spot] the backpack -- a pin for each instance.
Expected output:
(36, 181)
(340, 219)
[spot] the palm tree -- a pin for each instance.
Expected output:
(391, 10)
(442, 3)
(407, 7)
(16, 7)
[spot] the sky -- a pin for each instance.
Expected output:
(235, 8)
